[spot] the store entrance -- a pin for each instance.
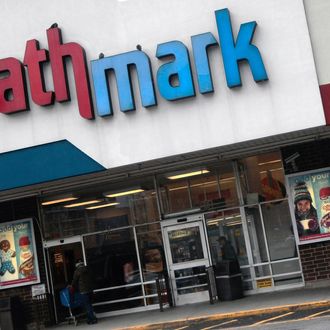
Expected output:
(187, 260)
(62, 259)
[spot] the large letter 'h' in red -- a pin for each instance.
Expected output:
(57, 53)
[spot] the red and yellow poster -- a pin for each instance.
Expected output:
(18, 255)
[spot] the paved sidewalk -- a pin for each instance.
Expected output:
(247, 305)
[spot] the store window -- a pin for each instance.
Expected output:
(262, 178)
(113, 259)
(98, 208)
(152, 257)
(228, 224)
(204, 188)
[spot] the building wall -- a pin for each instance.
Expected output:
(315, 261)
(32, 311)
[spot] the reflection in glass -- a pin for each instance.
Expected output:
(152, 257)
(62, 262)
(185, 244)
(285, 267)
(108, 211)
(191, 280)
(278, 227)
(229, 224)
(262, 178)
(215, 188)
(113, 259)
(262, 271)
(257, 239)
(288, 279)
(204, 191)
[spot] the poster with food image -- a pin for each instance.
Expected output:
(310, 205)
(18, 256)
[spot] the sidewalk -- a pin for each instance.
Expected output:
(247, 305)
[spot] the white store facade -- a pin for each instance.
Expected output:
(142, 132)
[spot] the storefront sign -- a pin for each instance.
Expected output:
(18, 255)
(199, 86)
(310, 205)
(233, 51)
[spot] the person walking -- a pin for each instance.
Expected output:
(82, 283)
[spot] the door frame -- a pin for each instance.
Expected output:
(54, 243)
(181, 223)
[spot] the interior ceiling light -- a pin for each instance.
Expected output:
(270, 162)
(94, 201)
(60, 200)
(123, 193)
(272, 170)
(186, 175)
(101, 206)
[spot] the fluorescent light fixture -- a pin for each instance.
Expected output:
(60, 200)
(123, 193)
(270, 162)
(272, 170)
(83, 203)
(101, 206)
(186, 175)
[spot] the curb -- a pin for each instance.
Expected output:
(251, 312)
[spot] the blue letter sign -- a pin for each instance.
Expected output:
(242, 49)
(178, 68)
(120, 63)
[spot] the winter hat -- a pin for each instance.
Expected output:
(23, 241)
(301, 192)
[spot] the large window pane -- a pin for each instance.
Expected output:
(210, 187)
(151, 251)
(229, 224)
(277, 220)
(113, 259)
(98, 208)
(262, 178)
(204, 191)
(175, 196)
(228, 192)
(257, 238)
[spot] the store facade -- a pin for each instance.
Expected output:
(229, 120)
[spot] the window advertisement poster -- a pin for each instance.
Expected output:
(310, 205)
(18, 256)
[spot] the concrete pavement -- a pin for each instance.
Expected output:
(256, 304)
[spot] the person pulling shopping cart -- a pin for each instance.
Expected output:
(82, 283)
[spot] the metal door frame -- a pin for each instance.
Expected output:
(59, 242)
(177, 224)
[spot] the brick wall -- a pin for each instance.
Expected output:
(315, 259)
(15, 210)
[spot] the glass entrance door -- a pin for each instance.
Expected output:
(187, 258)
(62, 259)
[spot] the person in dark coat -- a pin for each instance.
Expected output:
(82, 283)
(227, 250)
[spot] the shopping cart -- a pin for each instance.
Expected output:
(72, 301)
